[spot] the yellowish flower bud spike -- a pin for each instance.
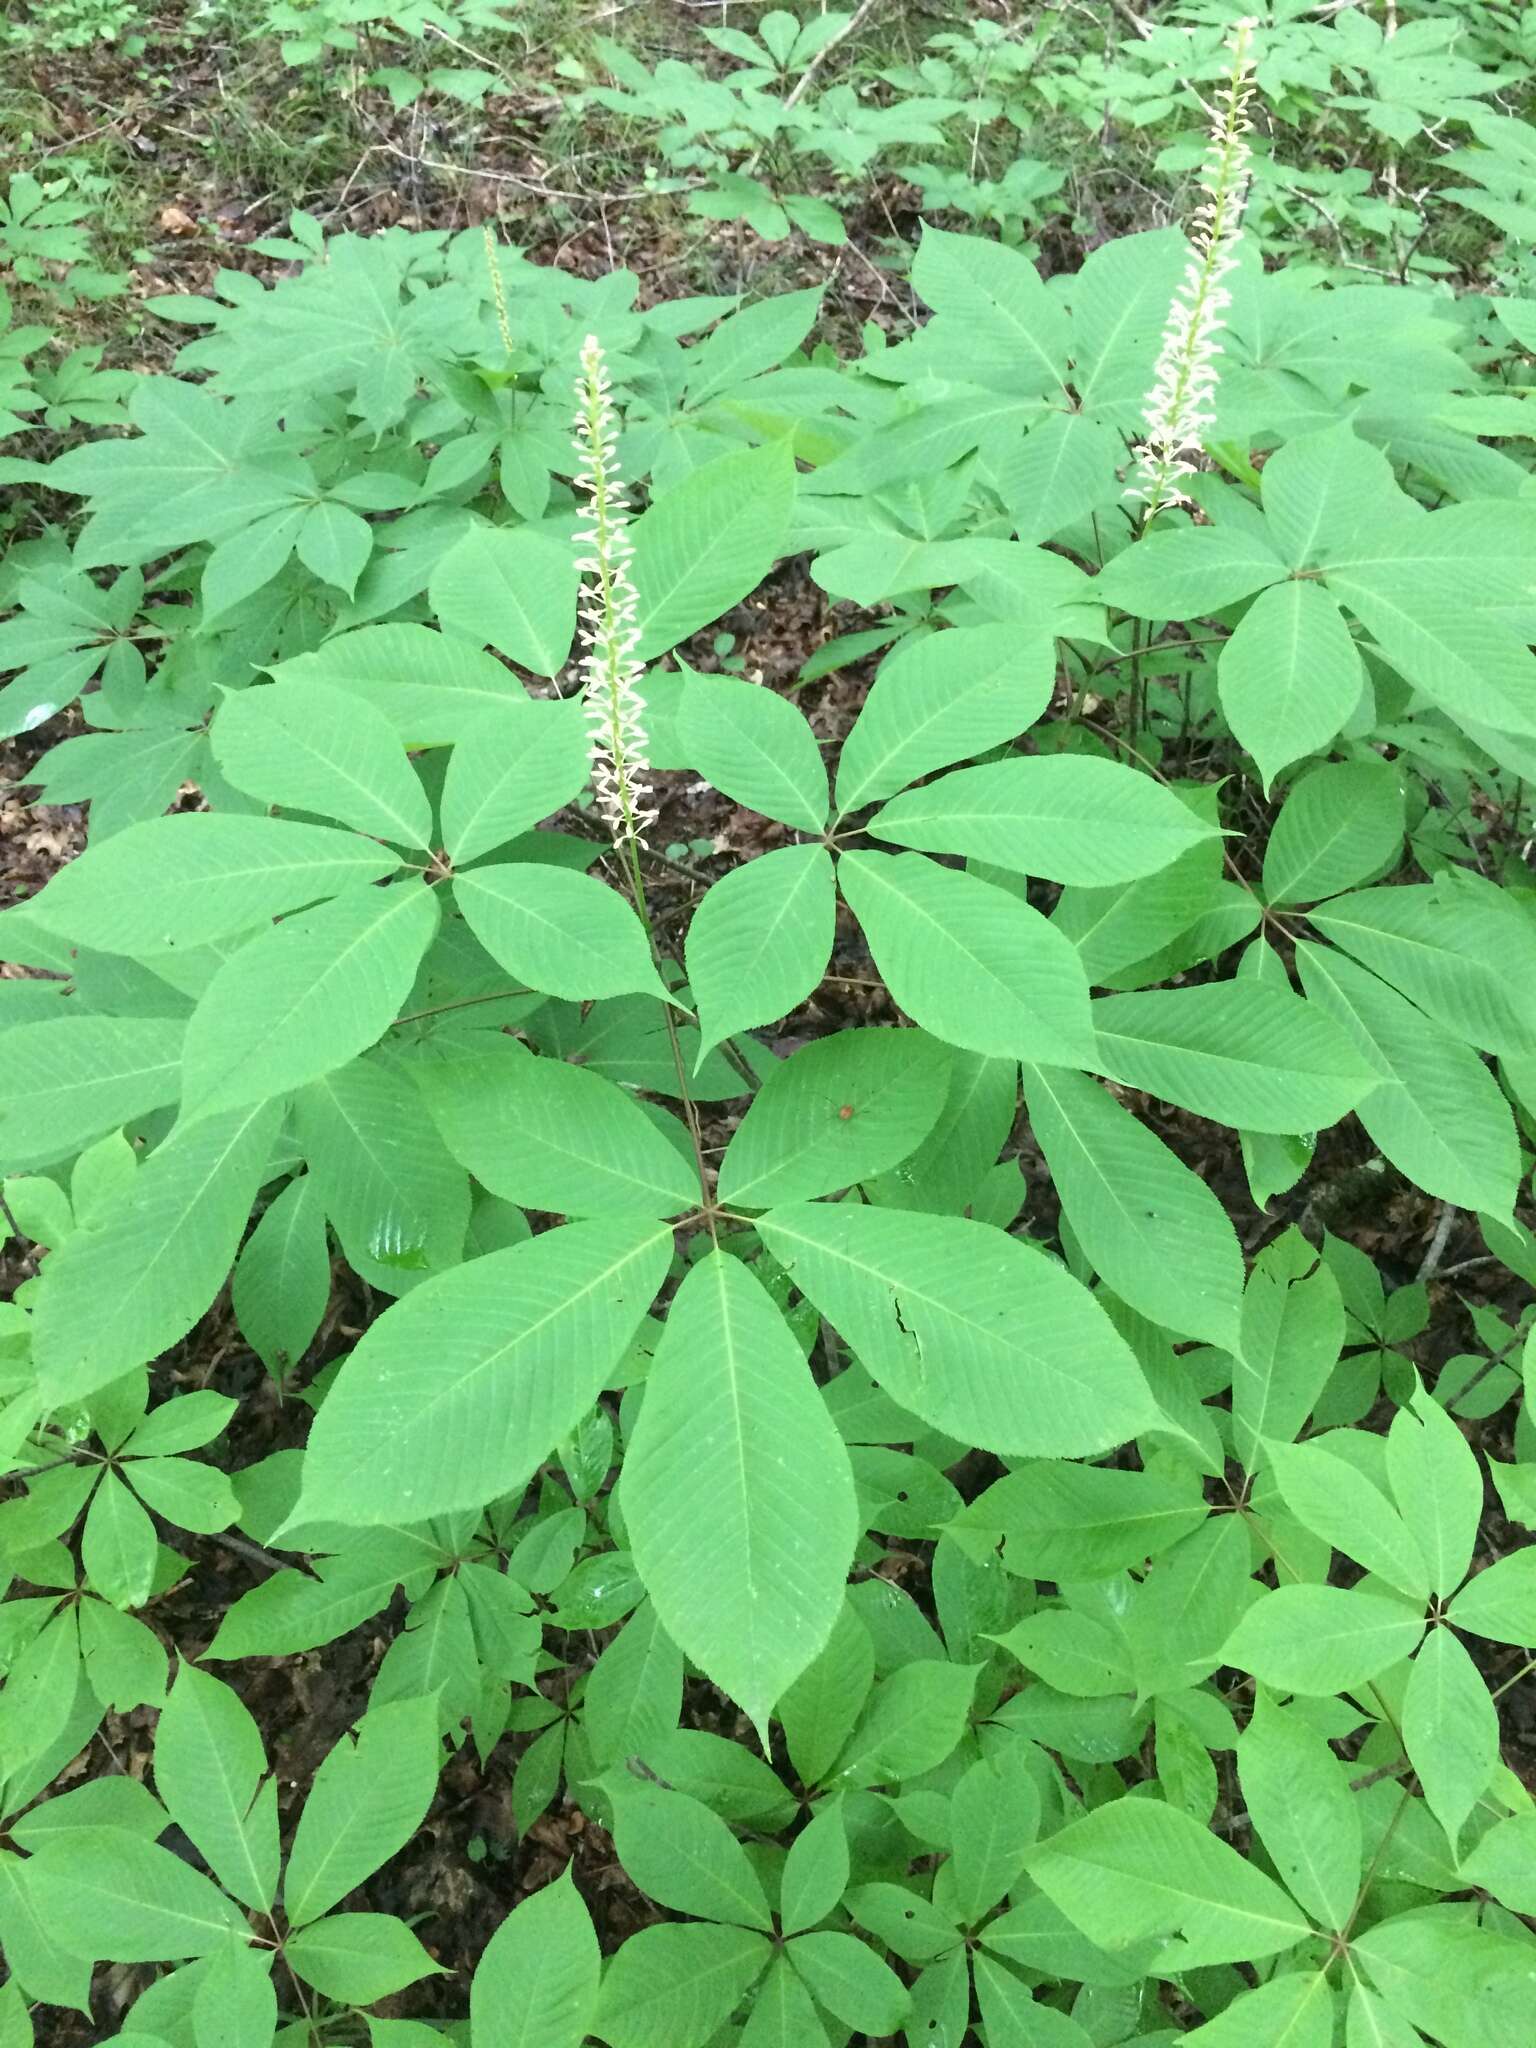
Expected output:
(1178, 408)
(609, 605)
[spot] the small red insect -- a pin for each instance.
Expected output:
(845, 1112)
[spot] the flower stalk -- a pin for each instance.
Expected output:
(1178, 408)
(609, 630)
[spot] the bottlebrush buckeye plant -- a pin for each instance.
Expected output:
(943, 1484)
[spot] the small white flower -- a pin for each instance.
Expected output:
(609, 633)
(1178, 407)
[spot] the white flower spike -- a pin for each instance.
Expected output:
(1178, 407)
(609, 602)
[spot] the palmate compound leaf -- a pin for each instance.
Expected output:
(69, 1079)
(563, 933)
(458, 1392)
(980, 1335)
(760, 940)
(841, 1109)
(1255, 1057)
(197, 876)
(968, 961)
(305, 996)
(1066, 817)
(314, 748)
(941, 699)
(737, 1490)
(116, 1295)
(1151, 1228)
(1137, 1869)
(1436, 1112)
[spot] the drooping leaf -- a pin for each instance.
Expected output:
(458, 1392)
(980, 1335)
(734, 1435)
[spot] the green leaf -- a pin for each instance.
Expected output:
(1504, 1863)
(1070, 1522)
(815, 1870)
(310, 747)
(187, 1492)
(1291, 1336)
(937, 700)
(116, 1296)
(1436, 1112)
(1255, 1057)
(305, 996)
(1135, 1869)
(820, 1708)
(842, 1108)
(1456, 947)
(1290, 676)
(358, 1957)
(1066, 817)
(913, 1722)
(1340, 825)
(760, 940)
(458, 1393)
(1465, 660)
(1307, 1818)
(1325, 492)
(755, 747)
(1450, 1730)
(1322, 1639)
(367, 1800)
(71, 1078)
(982, 1336)
(282, 1279)
(396, 1199)
(512, 586)
(1150, 1227)
(635, 1692)
(36, 1959)
(1013, 2015)
(685, 1857)
(1500, 1603)
(536, 1983)
(782, 2014)
(118, 1546)
(733, 1436)
(431, 687)
(968, 961)
(996, 1811)
(1188, 572)
(211, 1773)
(1291, 2011)
(851, 1981)
(708, 543)
(336, 543)
(1335, 1500)
(674, 1987)
(115, 1898)
(747, 343)
(195, 877)
(555, 1137)
(564, 933)
(1016, 335)
(514, 767)
(1438, 1483)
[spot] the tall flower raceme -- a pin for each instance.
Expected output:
(1178, 407)
(609, 604)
